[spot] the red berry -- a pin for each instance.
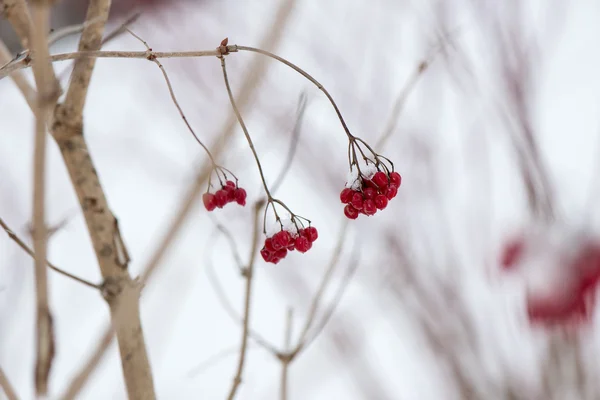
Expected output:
(396, 179)
(369, 193)
(281, 240)
(311, 233)
(303, 244)
(240, 196)
(275, 260)
(357, 200)
(230, 184)
(346, 195)
(369, 207)
(281, 253)
(392, 192)
(380, 179)
(269, 245)
(381, 202)
(209, 201)
(292, 245)
(369, 183)
(266, 254)
(220, 198)
(230, 193)
(350, 212)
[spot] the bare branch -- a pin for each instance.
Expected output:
(12, 235)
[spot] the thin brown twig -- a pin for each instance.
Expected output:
(141, 55)
(110, 36)
(12, 235)
(7, 386)
(172, 94)
(244, 128)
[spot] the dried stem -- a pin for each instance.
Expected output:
(307, 76)
(25, 62)
(243, 125)
(47, 95)
(152, 58)
(7, 387)
(12, 235)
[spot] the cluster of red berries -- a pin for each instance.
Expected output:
(373, 194)
(228, 193)
(277, 246)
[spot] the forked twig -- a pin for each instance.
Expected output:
(13, 236)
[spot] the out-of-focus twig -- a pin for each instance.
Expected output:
(316, 300)
(285, 362)
(293, 143)
(17, 14)
(7, 386)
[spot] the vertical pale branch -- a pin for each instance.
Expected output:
(285, 362)
(15, 12)
(48, 93)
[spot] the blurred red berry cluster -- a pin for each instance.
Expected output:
(276, 247)
(571, 296)
(228, 193)
(371, 195)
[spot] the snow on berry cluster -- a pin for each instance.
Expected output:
(368, 191)
(228, 193)
(288, 238)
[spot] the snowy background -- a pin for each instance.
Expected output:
(426, 315)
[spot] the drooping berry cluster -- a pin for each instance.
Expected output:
(277, 247)
(228, 193)
(368, 194)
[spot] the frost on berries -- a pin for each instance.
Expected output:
(284, 237)
(230, 192)
(561, 269)
(369, 191)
